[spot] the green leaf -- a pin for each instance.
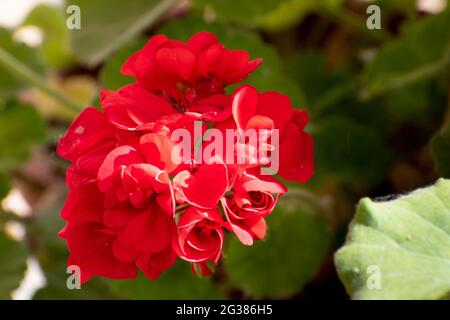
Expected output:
(177, 283)
(440, 148)
(110, 76)
(56, 288)
(108, 24)
(297, 241)
(420, 53)
(271, 15)
(21, 128)
(350, 152)
(4, 186)
(419, 108)
(407, 240)
(13, 257)
(56, 46)
(9, 84)
(269, 75)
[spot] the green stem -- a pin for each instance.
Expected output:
(20, 70)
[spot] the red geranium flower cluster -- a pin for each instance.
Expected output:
(131, 204)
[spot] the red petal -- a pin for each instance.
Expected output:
(121, 156)
(133, 106)
(159, 150)
(275, 106)
(203, 188)
(85, 132)
(85, 203)
(178, 62)
(296, 155)
(244, 106)
(149, 232)
(201, 41)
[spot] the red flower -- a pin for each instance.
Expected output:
(202, 64)
(200, 236)
(253, 200)
(130, 180)
(272, 110)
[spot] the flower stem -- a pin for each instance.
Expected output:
(20, 70)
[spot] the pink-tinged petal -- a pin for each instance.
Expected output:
(259, 229)
(149, 231)
(133, 106)
(201, 41)
(178, 62)
(160, 151)
(253, 182)
(245, 101)
(204, 187)
(244, 236)
(117, 158)
(87, 131)
(259, 122)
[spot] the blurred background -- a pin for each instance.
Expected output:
(377, 100)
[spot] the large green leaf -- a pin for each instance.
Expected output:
(271, 15)
(9, 84)
(349, 151)
(176, 283)
(317, 81)
(420, 53)
(108, 24)
(440, 147)
(52, 21)
(21, 128)
(297, 241)
(406, 240)
(13, 257)
(420, 103)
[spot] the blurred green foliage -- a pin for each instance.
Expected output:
(376, 98)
